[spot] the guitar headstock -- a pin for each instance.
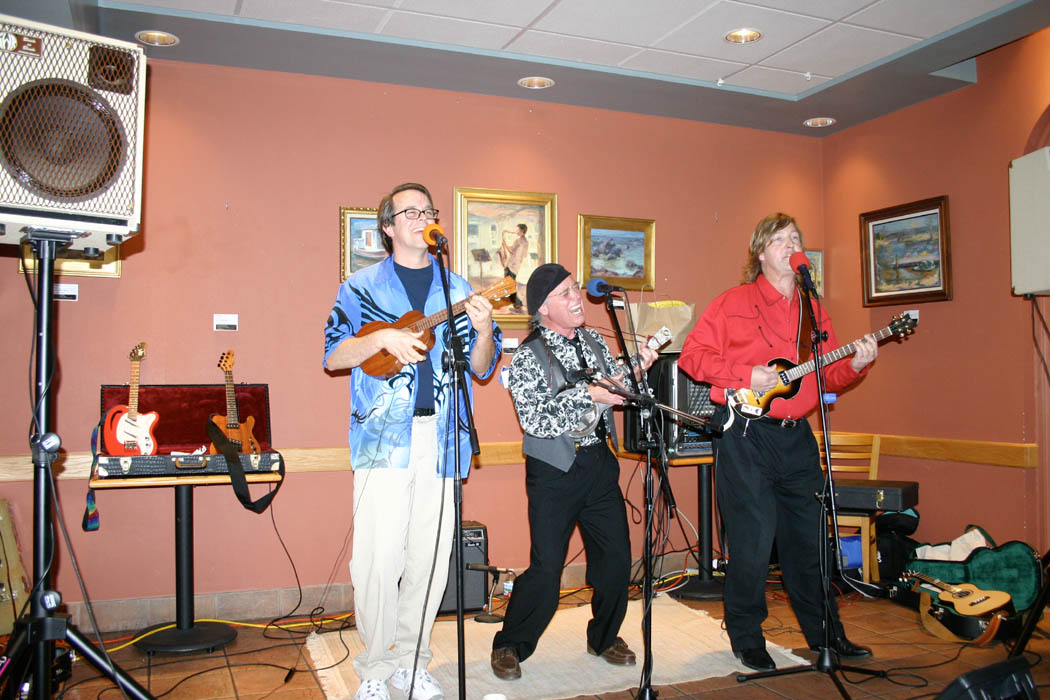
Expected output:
(660, 338)
(226, 361)
(903, 325)
(138, 353)
(504, 288)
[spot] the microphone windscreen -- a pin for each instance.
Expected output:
(431, 233)
(595, 287)
(798, 260)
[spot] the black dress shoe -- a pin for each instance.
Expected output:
(757, 658)
(847, 649)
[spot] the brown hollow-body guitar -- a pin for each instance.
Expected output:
(385, 365)
(238, 433)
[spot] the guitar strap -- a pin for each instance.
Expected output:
(237, 480)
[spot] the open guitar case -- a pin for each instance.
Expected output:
(1013, 567)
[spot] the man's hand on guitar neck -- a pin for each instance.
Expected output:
(867, 350)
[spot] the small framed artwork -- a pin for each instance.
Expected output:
(360, 241)
(816, 269)
(621, 251)
(906, 253)
(502, 233)
(75, 265)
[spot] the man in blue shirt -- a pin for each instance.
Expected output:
(401, 442)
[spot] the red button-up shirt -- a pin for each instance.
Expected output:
(751, 325)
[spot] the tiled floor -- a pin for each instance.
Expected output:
(919, 665)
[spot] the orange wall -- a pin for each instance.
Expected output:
(245, 173)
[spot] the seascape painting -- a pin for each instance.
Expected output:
(618, 250)
(616, 253)
(906, 253)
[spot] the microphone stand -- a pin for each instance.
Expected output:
(827, 661)
(645, 686)
(457, 363)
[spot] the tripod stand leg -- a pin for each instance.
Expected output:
(110, 671)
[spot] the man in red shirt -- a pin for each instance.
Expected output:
(767, 469)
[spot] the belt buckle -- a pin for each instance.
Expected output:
(789, 422)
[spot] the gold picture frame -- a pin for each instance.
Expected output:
(816, 269)
(106, 266)
(487, 224)
(360, 241)
(619, 250)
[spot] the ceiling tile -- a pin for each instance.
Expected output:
(930, 18)
(681, 65)
(315, 13)
(838, 50)
(519, 13)
(773, 80)
(567, 48)
(442, 30)
(624, 21)
(216, 7)
(704, 35)
(814, 8)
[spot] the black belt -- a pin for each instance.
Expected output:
(784, 422)
(420, 412)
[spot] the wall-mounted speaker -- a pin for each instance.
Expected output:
(71, 130)
(1030, 222)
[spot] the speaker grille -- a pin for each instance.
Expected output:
(69, 123)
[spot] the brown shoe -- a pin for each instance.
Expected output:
(618, 654)
(505, 664)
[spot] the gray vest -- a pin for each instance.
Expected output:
(560, 451)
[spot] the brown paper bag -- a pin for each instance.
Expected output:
(676, 315)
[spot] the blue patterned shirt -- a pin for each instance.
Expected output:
(381, 409)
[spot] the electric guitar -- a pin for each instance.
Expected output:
(238, 433)
(967, 598)
(385, 365)
(125, 431)
(748, 403)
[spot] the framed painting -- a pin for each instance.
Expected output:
(360, 241)
(500, 233)
(816, 269)
(618, 250)
(73, 266)
(906, 253)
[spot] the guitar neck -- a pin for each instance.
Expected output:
(133, 390)
(933, 581)
(425, 324)
(231, 401)
(833, 356)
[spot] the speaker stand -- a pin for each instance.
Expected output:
(703, 586)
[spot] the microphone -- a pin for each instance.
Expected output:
(581, 376)
(434, 235)
(490, 569)
(800, 264)
(597, 287)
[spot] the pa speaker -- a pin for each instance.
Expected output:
(673, 387)
(475, 590)
(1005, 680)
(1030, 222)
(71, 130)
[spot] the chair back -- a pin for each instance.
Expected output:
(856, 453)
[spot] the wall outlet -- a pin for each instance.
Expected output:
(914, 313)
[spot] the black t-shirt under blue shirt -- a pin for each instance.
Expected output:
(417, 283)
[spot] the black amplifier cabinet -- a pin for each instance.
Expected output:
(673, 387)
(475, 583)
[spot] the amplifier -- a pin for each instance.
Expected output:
(475, 583)
(673, 387)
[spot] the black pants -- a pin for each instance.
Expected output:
(588, 494)
(767, 480)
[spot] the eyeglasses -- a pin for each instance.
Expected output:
(412, 213)
(574, 288)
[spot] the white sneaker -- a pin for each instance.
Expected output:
(372, 690)
(424, 687)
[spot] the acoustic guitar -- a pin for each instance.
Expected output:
(967, 598)
(238, 433)
(385, 365)
(125, 431)
(748, 403)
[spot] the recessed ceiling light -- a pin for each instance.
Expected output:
(744, 35)
(155, 37)
(536, 82)
(819, 122)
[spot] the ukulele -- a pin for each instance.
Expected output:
(384, 365)
(240, 434)
(125, 431)
(967, 598)
(748, 403)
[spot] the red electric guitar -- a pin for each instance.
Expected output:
(125, 431)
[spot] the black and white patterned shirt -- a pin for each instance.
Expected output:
(539, 413)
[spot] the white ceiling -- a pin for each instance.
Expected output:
(850, 59)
